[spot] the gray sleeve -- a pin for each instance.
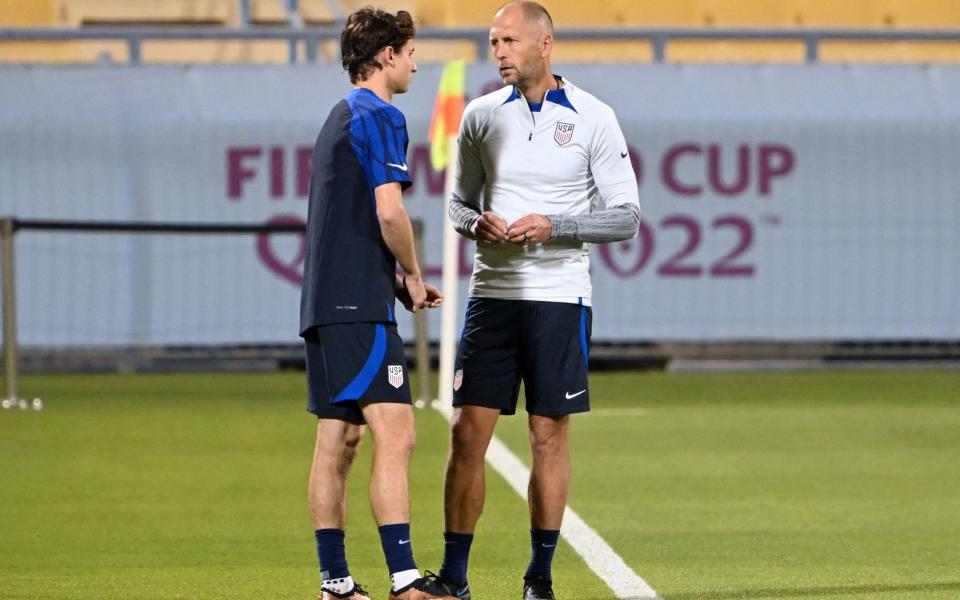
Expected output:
(466, 202)
(609, 225)
(464, 216)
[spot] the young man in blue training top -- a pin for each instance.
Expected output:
(544, 171)
(357, 232)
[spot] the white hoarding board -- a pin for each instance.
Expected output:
(790, 202)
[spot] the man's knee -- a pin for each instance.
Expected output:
(407, 441)
(398, 442)
(548, 436)
(337, 442)
(470, 436)
(351, 443)
(392, 428)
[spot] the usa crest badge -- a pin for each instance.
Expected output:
(563, 133)
(395, 375)
(457, 380)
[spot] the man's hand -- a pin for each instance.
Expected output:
(530, 229)
(491, 229)
(434, 296)
(407, 289)
(416, 290)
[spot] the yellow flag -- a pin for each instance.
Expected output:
(447, 112)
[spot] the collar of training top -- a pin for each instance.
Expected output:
(558, 96)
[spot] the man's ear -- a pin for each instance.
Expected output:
(546, 45)
(387, 55)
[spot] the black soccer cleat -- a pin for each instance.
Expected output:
(424, 588)
(538, 588)
(448, 586)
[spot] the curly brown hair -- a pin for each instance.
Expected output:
(368, 31)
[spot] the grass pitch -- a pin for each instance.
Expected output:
(715, 486)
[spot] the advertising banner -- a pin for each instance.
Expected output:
(779, 202)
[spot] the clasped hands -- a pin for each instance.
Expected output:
(415, 294)
(493, 230)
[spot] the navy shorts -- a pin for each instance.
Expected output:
(353, 363)
(543, 344)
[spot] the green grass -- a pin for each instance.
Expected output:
(715, 486)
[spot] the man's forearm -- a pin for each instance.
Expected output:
(609, 225)
(464, 216)
(397, 234)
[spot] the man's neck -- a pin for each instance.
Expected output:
(378, 86)
(536, 93)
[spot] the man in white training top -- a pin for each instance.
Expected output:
(543, 171)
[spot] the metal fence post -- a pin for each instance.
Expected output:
(812, 45)
(246, 11)
(7, 232)
(659, 42)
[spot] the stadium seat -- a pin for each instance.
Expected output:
(856, 14)
(925, 14)
(478, 13)
(432, 12)
(610, 51)
(215, 51)
(469, 14)
(741, 51)
(751, 13)
(427, 51)
(889, 52)
(65, 52)
(36, 13)
(151, 12)
(660, 13)
(316, 12)
(596, 13)
(425, 12)
(444, 50)
(269, 12)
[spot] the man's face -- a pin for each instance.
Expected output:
(404, 68)
(516, 47)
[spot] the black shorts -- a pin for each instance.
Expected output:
(350, 363)
(543, 344)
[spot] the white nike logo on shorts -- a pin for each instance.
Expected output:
(402, 167)
(569, 395)
(401, 542)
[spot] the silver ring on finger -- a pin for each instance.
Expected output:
(525, 238)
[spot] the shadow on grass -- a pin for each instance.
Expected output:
(851, 590)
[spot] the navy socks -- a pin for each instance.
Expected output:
(456, 552)
(543, 543)
(330, 551)
(397, 549)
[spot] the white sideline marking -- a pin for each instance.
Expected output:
(594, 550)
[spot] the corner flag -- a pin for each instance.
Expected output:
(447, 112)
(444, 127)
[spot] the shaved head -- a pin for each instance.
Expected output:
(534, 14)
(521, 40)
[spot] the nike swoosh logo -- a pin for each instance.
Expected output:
(623, 155)
(402, 167)
(401, 542)
(549, 545)
(569, 395)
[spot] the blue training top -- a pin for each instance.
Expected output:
(349, 272)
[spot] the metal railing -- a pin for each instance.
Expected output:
(303, 41)
(8, 230)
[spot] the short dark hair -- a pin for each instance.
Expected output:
(368, 31)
